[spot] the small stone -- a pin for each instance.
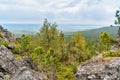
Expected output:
(91, 77)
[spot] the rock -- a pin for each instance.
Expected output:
(1, 76)
(7, 60)
(116, 44)
(10, 46)
(26, 61)
(4, 77)
(10, 37)
(19, 69)
(104, 69)
(114, 48)
(1, 28)
(6, 35)
(25, 73)
(118, 38)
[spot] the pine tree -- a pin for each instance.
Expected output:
(78, 48)
(105, 41)
(117, 21)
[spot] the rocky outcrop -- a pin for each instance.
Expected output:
(17, 69)
(26, 61)
(116, 44)
(27, 74)
(99, 69)
(6, 35)
(7, 60)
(12, 68)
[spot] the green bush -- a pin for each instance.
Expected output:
(24, 43)
(38, 55)
(18, 57)
(38, 50)
(5, 43)
(110, 54)
(2, 42)
(15, 50)
(66, 72)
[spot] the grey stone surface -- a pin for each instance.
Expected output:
(25, 73)
(19, 70)
(106, 69)
(6, 35)
(7, 60)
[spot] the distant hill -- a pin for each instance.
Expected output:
(93, 35)
(90, 35)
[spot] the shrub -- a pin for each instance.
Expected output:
(38, 55)
(15, 50)
(24, 43)
(2, 42)
(110, 54)
(38, 50)
(18, 57)
(5, 43)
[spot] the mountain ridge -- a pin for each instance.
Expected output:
(93, 33)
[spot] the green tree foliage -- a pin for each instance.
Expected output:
(2, 42)
(38, 55)
(78, 47)
(50, 35)
(117, 21)
(51, 59)
(56, 56)
(110, 54)
(105, 41)
(117, 15)
(24, 43)
(38, 50)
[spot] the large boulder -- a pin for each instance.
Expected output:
(25, 73)
(99, 69)
(6, 35)
(18, 69)
(7, 60)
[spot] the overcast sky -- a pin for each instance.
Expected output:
(60, 11)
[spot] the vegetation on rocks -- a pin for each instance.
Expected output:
(53, 54)
(58, 57)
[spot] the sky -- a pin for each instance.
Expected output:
(61, 11)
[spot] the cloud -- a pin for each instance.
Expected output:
(61, 11)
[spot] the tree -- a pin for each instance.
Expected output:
(117, 21)
(38, 55)
(24, 43)
(3, 42)
(38, 50)
(105, 40)
(51, 37)
(53, 62)
(78, 47)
